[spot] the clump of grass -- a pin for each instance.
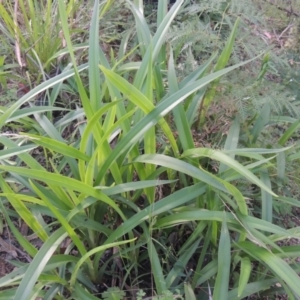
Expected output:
(104, 196)
(34, 28)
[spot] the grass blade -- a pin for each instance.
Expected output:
(7, 153)
(92, 252)
(23, 211)
(188, 291)
(291, 130)
(57, 146)
(64, 182)
(275, 263)
(224, 262)
(182, 124)
(38, 264)
(194, 172)
(266, 198)
(37, 90)
(231, 142)
(244, 275)
(94, 74)
(225, 159)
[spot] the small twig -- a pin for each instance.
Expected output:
(17, 46)
(285, 30)
(79, 123)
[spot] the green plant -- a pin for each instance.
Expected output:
(101, 193)
(203, 27)
(4, 73)
(34, 28)
(113, 294)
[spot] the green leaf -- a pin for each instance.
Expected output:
(266, 198)
(7, 153)
(87, 255)
(175, 273)
(57, 146)
(226, 53)
(204, 176)
(94, 74)
(37, 90)
(230, 162)
(209, 271)
(260, 122)
(38, 264)
(203, 214)
(25, 244)
(83, 294)
(275, 263)
(132, 186)
(224, 262)
(188, 291)
(21, 113)
(182, 124)
(139, 100)
(231, 142)
(165, 106)
(291, 130)
(244, 274)
(64, 182)
(156, 266)
(157, 42)
(253, 288)
(166, 204)
(68, 228)
(113, 293)
(23, 211)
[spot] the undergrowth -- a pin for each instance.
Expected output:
(154, 153)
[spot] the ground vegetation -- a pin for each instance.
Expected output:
(149, 149)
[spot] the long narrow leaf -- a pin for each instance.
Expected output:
(276, 264)
(42, 87)
(90, 253)
(7, 153)
(224, 262)
(65, 182)
(156, 114)
(57, 146)
(225, 159)
(244, 274)
(204, 176)
(38, 264)
(94, 74)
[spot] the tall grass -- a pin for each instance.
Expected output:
(91, 197)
